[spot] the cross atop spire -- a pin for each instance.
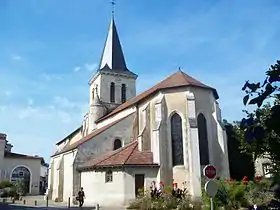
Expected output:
(113, 2)
(112, 58)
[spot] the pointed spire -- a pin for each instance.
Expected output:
(112, 57)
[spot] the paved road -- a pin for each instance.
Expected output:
(21, 207)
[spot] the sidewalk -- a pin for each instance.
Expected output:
(42, 204)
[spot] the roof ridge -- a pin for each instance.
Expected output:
(115, 152)
(136, 144)
(187, 75)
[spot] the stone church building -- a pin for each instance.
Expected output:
(167, 133)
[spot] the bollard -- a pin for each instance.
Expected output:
(47, 201)
(35, 203)
(68, 202)
(97, 206)
(24, 202)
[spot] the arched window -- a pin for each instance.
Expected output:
(22, 176)
(203, 140)
(112, 92)
(117, 144)
(123, 93)
(177, 140)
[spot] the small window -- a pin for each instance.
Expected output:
(123, 93)
(112, 92)
(117, 144)
(108, 176)
(266, 170)
(20, 173)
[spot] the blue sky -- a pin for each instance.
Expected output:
(50, 49)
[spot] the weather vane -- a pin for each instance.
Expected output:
(113, 2)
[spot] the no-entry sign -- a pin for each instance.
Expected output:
(210, 172)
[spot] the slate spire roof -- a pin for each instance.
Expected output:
(112, 57)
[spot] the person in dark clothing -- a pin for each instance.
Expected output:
(153, 189)
(81, 196)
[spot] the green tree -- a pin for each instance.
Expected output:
(240, 164)
(262, 126)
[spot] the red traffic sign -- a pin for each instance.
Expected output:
(210, 172)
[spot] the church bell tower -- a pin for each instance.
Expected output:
(113, 84)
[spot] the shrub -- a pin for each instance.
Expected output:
(236, 194)
(165, 201)
(5, 184)
(258, 192)
(231, 195)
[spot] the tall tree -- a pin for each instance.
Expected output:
(262, 126)
(240, 164)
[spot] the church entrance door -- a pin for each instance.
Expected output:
(139, 183)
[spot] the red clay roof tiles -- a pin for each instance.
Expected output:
(178, 79)
(125, 156)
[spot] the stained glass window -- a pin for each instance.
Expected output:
(177, 140)
(203, 140)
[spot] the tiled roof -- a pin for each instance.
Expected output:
(128, 155)
(17, 155)
(70, 147)
(178, 79)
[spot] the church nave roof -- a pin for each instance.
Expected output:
(178, 79)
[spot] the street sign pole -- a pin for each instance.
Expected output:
(211, 203)
(211, 187)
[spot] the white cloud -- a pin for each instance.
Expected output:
(77, 68)
(64, 102)
(50, 77)
(39, 126)
(87, 67)
(90, 67)
(8, 93)
(30, 102)
(16, 57)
